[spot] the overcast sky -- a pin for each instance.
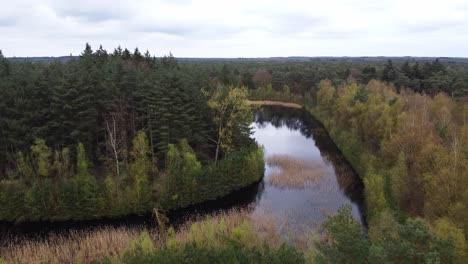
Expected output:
(237, 28)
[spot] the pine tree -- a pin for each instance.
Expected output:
(85, 187)
(389, 73)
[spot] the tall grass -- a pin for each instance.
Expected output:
(251, 230)
(85, 246)
(294, 173)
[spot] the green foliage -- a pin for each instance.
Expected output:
(213, 240)
(125, 109)
(232, 253)
(84, 196)
(444, 229)
(375, 194)
(84, 187)
(411, 242)
(183, 170)
(24, 167)
(142, 245)
(344, 241)
(187, 183)
(41, 156)
(140, 169)
(232, 115)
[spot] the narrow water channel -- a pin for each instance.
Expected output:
(285, 133)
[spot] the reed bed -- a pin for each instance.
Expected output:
(294, 173)
(93, 246)
(85, 246)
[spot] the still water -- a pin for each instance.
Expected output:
(294, 133)
(281, 131)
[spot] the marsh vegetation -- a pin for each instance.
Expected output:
(293, 172)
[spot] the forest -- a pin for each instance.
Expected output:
(112, 134)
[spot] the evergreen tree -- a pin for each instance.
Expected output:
(389, 73)
(85, 188)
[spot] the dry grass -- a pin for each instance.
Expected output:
(294, 172)
(86, 246)
(252, 229)
(267, 226)
(93, 246)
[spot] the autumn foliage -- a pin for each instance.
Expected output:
(410, 149)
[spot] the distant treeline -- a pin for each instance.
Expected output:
(302, 75)
(427, 75)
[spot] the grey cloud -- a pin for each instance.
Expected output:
(168, 29)
(7, 21)
(191, 30)
(91, 14)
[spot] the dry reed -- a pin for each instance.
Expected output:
(83, 246)
(251, 228)
(294, 172)
(93, 245)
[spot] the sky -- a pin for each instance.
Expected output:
(237, 28)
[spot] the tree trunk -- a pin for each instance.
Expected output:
(113, 143)
(217, 151)
(218, 142)
(151, 137)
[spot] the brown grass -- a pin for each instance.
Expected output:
(86, 246)
(294, 172)
(93, 246)
(250, 228)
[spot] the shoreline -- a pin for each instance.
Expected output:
(279, 103)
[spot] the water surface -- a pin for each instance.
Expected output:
(294, 133)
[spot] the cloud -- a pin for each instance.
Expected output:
(7, 21)
(176, 30)
(288, 23)
(242, 28)
(96, 15)
(92, 11)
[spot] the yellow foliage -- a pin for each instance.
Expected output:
(443, 228)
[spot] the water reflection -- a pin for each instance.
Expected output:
(296, 133)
